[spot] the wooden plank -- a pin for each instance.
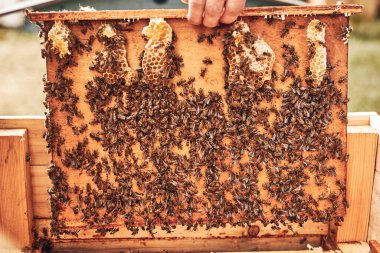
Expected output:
(40, 184)
(374, 223)
(362, 147)
(374, 246)
(360, 247)
(181, 13)
(15, 190)
(184, 244)
(370, 7)
(36, 128)
(360, 118)
(257, 230)
(193, 53)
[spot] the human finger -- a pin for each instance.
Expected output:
(213, 11)
(232, 10)
(195, 13)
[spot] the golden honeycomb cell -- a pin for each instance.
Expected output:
(316, 39)
(256, 54)
(159, 35)
(114, 45)
(58, 37)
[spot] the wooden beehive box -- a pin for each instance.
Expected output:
(207, 139)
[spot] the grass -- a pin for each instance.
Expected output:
(364, 67)
(364, 75)
(21, 69)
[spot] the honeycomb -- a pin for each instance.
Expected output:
(156, 61)
(250, 61)
(58, 37)
(107, 31)
(112, 60)
(316, 39)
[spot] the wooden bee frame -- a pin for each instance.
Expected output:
(362, 149)
(253, 237)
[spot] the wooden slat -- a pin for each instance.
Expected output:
(374, 246)
(114, 245)
(184, 244)
(181, 13)
(15, 190)
(41, 210)
(362, 146)
(360, 118)
(309, 228)
(36, 128)
(40, 184)
(193, 53)
(357, 165)
(374, 223)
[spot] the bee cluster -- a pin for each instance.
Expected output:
(157, 153)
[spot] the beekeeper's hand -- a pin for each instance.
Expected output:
(212, 12)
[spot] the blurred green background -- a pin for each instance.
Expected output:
(21, 66)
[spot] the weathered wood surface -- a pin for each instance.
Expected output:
(360, 118)
(135, 45)
(370, 7)
(214, 81)
(362, 149)
(144, 14)
(374, 222)
(186, 244)
(255, 231)
(193, 53)
(15, 189)
(37, 144)
(358, 151)
(41, 182)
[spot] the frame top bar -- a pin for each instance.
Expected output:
(279, 11)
